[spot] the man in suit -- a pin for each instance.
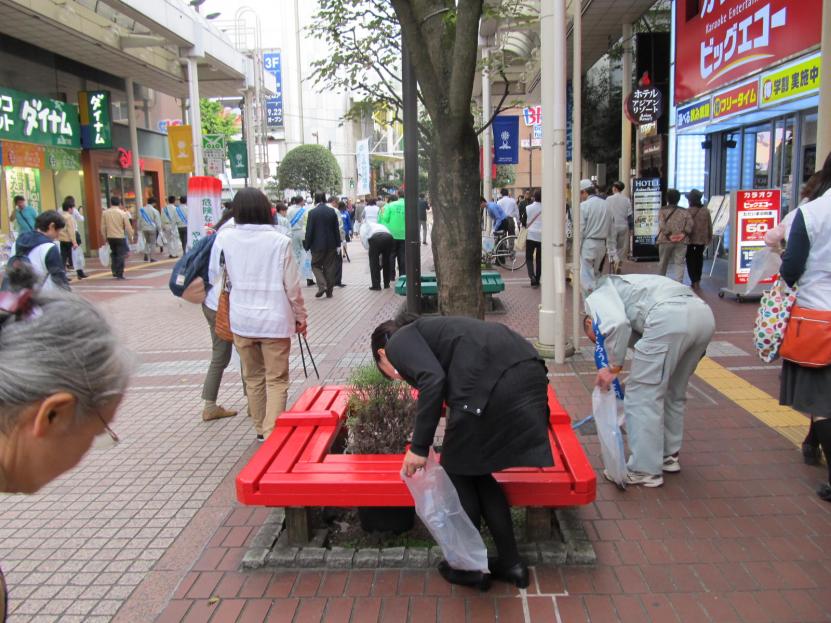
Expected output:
(323, 240)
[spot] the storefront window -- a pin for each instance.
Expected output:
(809, 145)
(757, 156)
(782, 176)
(732, 146)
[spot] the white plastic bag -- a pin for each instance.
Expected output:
(765, 264)
(104, 255)
(604, 406)
(437, 504)
(78, 259)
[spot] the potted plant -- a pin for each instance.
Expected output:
(380, 421)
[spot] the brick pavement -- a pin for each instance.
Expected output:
(152, 526)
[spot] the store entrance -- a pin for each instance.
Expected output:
(120, 184)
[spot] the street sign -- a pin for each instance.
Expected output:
(213, 151)
(644, 105)
(646, 204)
(538, 131)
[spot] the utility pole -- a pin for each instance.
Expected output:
(412, 253)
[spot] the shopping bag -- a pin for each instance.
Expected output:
(772, 320)
(104, 255)
(78, 259)
(604, 408)
(437, 505)
(765, 264)
(521, 239)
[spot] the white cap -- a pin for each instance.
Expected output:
(586, 184)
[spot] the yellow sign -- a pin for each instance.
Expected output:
(791, 81)
(180, 143)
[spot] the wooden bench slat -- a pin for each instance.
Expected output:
(308, 418)
(248, 480)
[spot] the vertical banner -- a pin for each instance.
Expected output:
(506, 139)
(180, 142)
(238, 155)
(274, 105)
(754, 213)
(364, 173)
(646, 204)
(204, 206)
(96, 119)
(213, 151)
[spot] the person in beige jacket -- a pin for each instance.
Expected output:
(116, 228)
(66, 236)
(674, 228)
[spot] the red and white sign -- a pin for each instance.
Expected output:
(532, 115)
(757, 212)
(725, 40)
(204, 206)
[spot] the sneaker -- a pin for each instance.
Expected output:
(216, 413)
(824, 492)
(671, 464)
(811, 454)
(646, 480)
(260, 438)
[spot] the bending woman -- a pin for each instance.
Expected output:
(495, 386)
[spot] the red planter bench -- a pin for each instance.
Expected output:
(293, 467)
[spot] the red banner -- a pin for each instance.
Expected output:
(720, 41)
(757, 212)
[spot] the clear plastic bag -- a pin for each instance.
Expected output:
(78, 259)
(604, 407)
(104, 255)
(764, 265)
(437, 504)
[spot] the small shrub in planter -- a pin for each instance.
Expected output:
(380, 421)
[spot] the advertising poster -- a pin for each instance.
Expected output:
(757, 211)
(364, 172)
(25, 182)
(204, 206)
(646, 203)
(213, 151)
(272, 63)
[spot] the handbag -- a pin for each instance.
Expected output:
(808, 338)
(522, 236)
(222, 326)
(772, 320)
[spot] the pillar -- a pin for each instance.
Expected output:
(553, 69)
(133, 130)
(824, 119)
(626, 125)
(195, 114)
(576, 170)
(250, 137)
(487, 159)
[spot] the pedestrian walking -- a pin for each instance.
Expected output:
(116, 229)
(170, 229)
(297, 215)
(281, 222)
(670, 328)
(323, 241)
(266, 303)
(23, 215)
(40, 250)
(674, 227)
(371, 210)
(806, 349)
(621, 209)
(700, 236)
(150, 225)
(597, 226)
(393, 217)
(423, 208)
(66, 236)
(533, 243)
(378, 241)
(495, 387)
(181, 209)
(510, 209)
(77, 253)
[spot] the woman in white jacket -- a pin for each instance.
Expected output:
(266, 303)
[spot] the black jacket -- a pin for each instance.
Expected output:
(454, 360)
(322, 229)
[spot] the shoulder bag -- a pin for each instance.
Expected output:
(772, 320)
(222, 326)
(807, 339)
(522, 236)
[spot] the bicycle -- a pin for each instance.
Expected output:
(501, 250)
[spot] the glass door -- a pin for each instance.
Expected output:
(781, 175)
(756, 159)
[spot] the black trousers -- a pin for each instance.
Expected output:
(324, 267)
(183, 236)
(66, 254)
(381, 248)
(118, 253)
(695, 261)
(338, 268)
(483, 498)
(533, 260)
(398, 253)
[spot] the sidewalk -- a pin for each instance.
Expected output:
(152, 526)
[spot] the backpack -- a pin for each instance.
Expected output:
(191, 265)
(25, 259)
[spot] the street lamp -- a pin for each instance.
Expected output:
(196, 4)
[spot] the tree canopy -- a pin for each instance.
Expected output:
(310, 168)
(216, 119)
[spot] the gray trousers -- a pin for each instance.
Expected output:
(675, 337)
(622, 244)
(592, 252)
(672, 257)
(220, 358)
(149, 242)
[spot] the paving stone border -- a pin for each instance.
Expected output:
(270, 549)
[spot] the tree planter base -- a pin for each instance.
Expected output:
(395, 519)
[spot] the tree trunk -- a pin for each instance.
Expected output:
(457, 236)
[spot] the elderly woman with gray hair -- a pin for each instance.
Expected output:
(63, 374)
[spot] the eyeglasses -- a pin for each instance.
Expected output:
(107, 440)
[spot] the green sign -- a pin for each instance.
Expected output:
(59, 159)
(33, 119)
(238, 154)
(96, 119)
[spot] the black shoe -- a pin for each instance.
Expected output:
(375, 287)
(260, 438)
(152, 260)
(171, 256)
(386, 286)
(810, 454)
(824, 492)
(145, 259)
(328, 294)
(474, 579)
(319, 294)
(423, 243)
(310, 282)
(516, 575)
(341, 285)
(82, 275)
(121, 278)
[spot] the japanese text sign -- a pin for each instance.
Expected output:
(791, 81)
(694, 114)
(757, 212)
(213, 151)
(644, 105)
(33, 119)
(728, 39)
(96, 119)
(274, 105)
(738, 99)
(24, 155)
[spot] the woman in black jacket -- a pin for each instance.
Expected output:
(495, 386)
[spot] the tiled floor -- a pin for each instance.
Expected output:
(152, 525)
